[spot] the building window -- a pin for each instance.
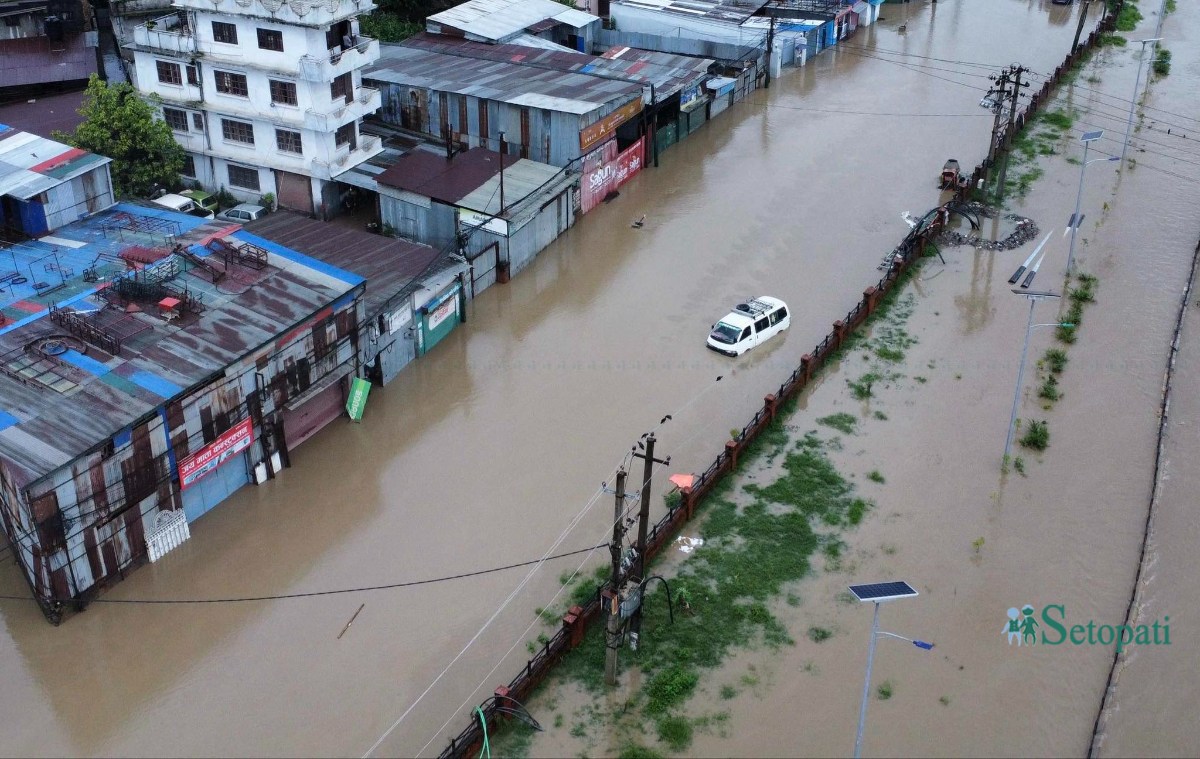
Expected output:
(168, 73)
(189, 166)
(176, 119)
(283, 93)
(270, 39)
(223, 32)
(240, 176)
(198, 122)
(231, 84)
(341, 87)
(237, 131)
(288, 141)
(344, 135)
(193, 75)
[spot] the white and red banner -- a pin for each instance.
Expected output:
(605, 170)
(204, 461)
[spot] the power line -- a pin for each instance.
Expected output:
(871, 113)
(315, 593)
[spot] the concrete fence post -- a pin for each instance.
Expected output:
(772, 404)
(689, 501)
(503, 700)
(805, 369)
(573, 623)
(871, 298)
(839, 333)
(731, 448)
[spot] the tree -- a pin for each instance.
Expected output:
(122, 126)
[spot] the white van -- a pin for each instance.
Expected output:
(183, 205)
(750, 323)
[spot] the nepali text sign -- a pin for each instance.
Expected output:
(204, 461)
(357, 402)
(609, 175)
(605, 127)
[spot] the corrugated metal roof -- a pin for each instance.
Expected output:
(389, 264)
(445, 180)
(501, 20)
(731, 11)
(45, 114)
(31, 60)
(30, 164)
(668, 72)
(521, 180)
(494, 80)
(105, 393)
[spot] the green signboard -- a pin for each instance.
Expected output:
(357, 401)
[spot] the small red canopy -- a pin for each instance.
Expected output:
(682, 480)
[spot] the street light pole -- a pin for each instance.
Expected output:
(877, 593)
(1137, 81)
(1087, 139)
(866, 694)
(1034, 297)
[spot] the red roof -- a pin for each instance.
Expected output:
(442, 179)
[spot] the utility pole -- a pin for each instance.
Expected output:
(1001, 93)
(635, 622)
(612, 632)
(503, 150)
(770, 51)
(1016, 72)
(1082, 19)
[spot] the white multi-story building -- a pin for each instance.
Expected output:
(265, 96)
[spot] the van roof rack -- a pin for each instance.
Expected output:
(753, 306)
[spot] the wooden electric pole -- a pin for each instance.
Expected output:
(612, 630)
(635, 622)
(503, 150)
(1016, 72)
(770, 51)
(1079, 29)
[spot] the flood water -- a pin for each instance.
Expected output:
(486, 451)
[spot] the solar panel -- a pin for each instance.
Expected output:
(882, 591)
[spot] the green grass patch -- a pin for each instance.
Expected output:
(1049, 389)
(675, 731)
(875, 476)
(1056, 360)
(944, 700)
(885, 691)
(1058, 119)
(1037, 437)
(1112, 40)
(728, 692)
(638, 751)
(842, 422)
(880, 416)
(1019, 465)
(512, 739)
(670, 688)
(1128, 18)
(1162, 62)
(864, 387)
(819, 634)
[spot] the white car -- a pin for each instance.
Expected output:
(750, 323)
(243, 212)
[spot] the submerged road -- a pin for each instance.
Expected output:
(492, 449)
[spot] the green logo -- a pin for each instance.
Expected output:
(1023, 627)
(357, 401)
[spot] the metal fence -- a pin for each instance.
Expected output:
(575, 622)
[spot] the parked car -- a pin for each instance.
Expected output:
(750, 323)
(183, 205)
(242, 213)
(205, 200)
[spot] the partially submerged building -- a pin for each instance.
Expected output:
(175, 361)
(45, 46)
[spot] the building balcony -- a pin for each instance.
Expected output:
(327, 67)
(338, 112)
(346, 157)
(166, 34)
(310, 13)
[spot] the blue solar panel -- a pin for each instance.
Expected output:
(882, 591)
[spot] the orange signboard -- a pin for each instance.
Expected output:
(603, 128)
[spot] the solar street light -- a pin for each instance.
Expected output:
(877, 593)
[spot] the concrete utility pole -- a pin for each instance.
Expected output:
(503, 149)
(770, 51)
(612, 632)
(1016, 72)
(1079, 29)
(635, 622)
(1001, 92)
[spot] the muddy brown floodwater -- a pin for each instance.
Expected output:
(485, 451)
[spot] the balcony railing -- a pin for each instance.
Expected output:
(168, 33)
(335, 62)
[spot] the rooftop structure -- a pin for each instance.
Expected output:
(45, 184)
(496, 21)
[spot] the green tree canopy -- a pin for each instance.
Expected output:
(120, 125)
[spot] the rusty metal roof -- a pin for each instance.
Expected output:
(62, 395)
(569, 92)
(31, 60)
(389, 265)
(44, 115)
(442, 179)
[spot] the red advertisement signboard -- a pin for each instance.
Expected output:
(204, 461)
(604, 172)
